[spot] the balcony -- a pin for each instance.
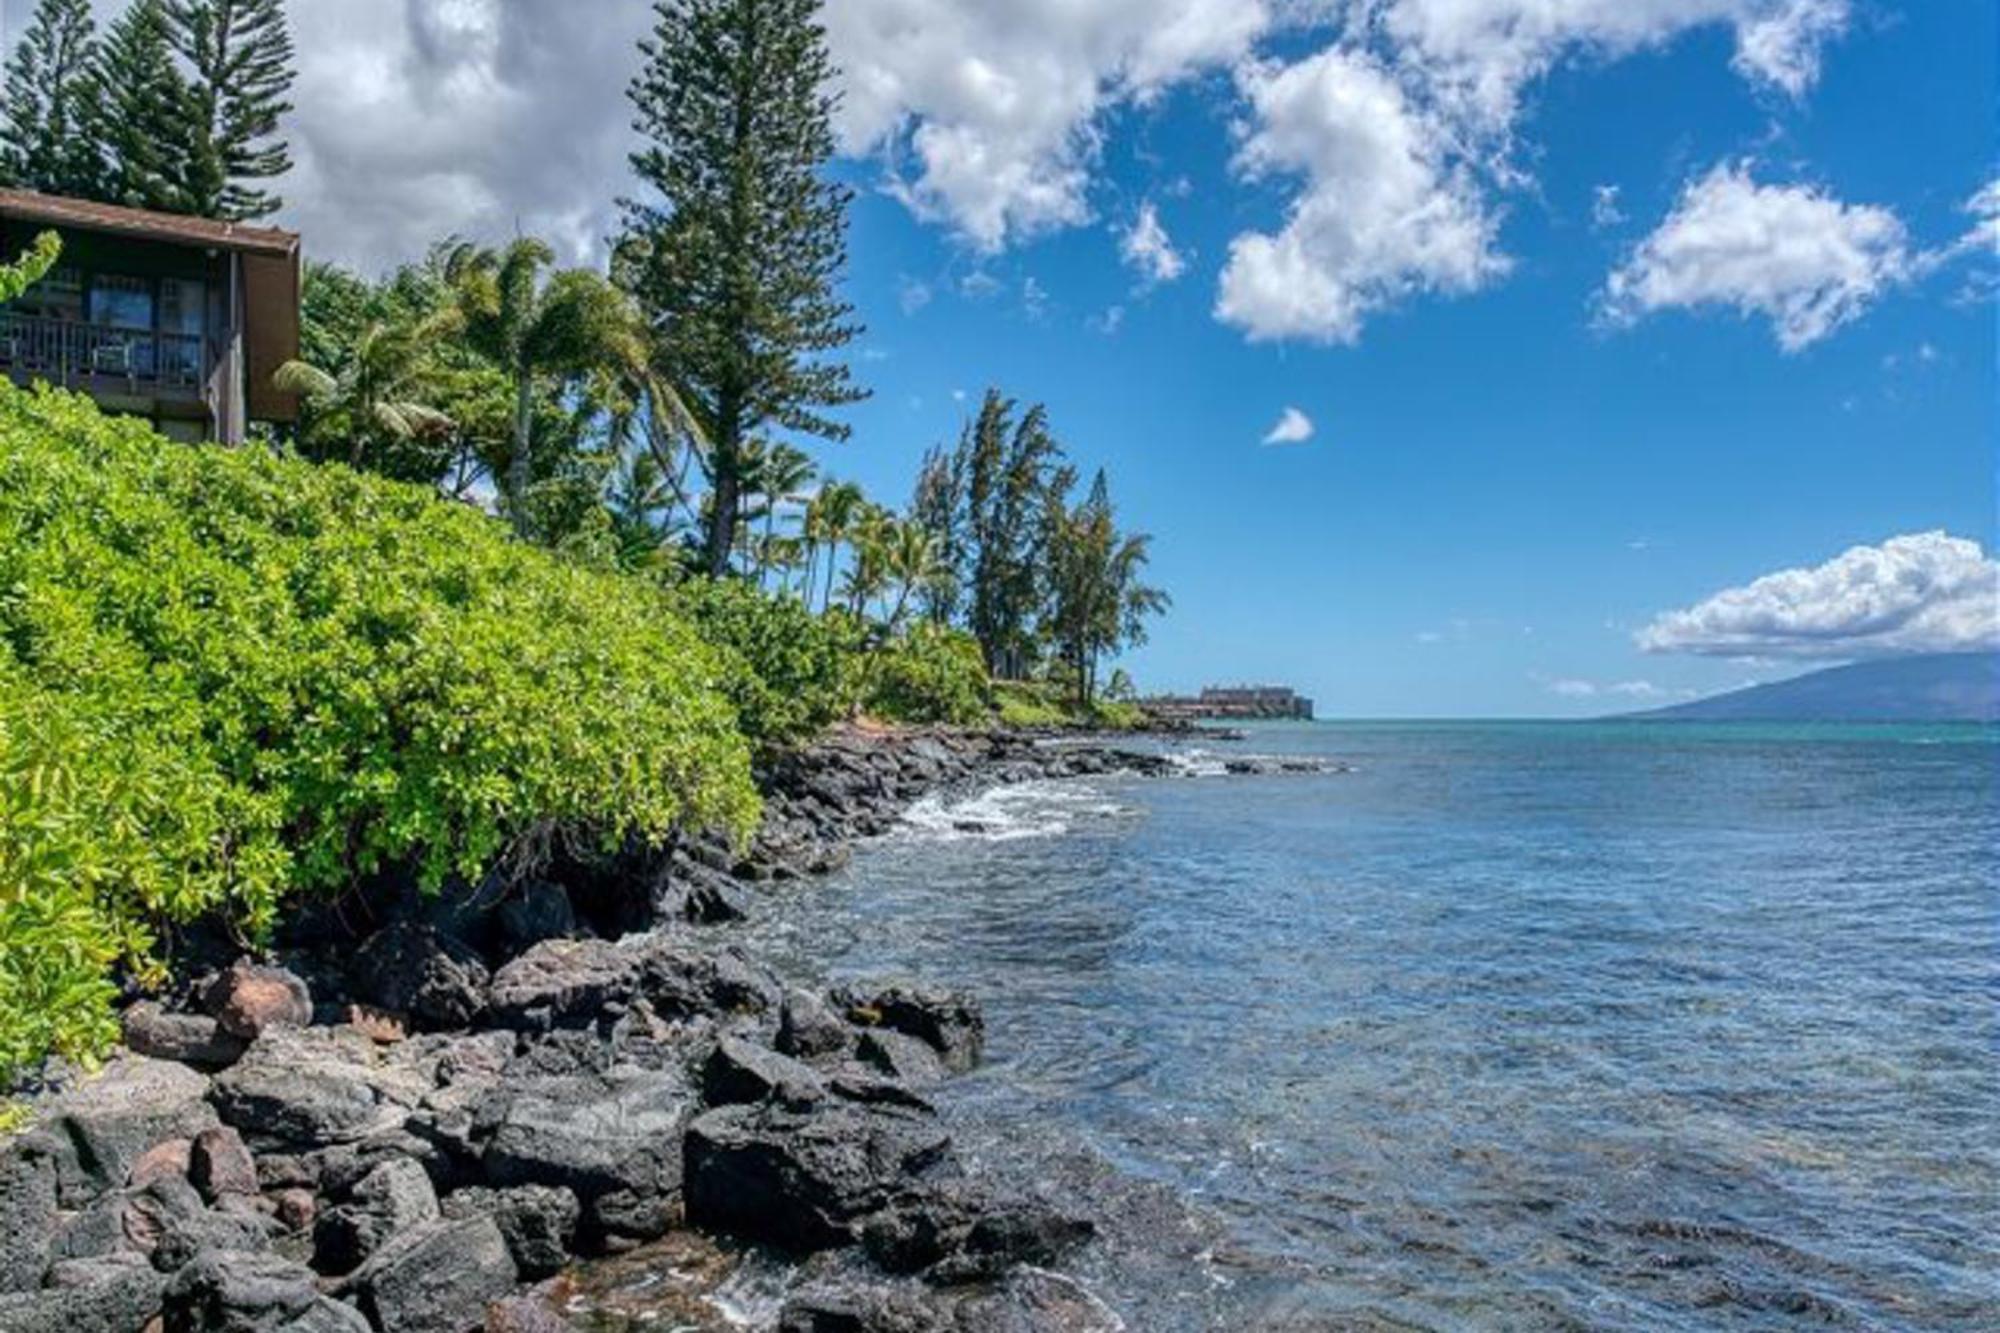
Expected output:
(102, 360)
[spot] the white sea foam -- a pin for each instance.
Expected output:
(1008, 814)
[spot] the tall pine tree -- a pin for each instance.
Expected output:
(46, 141)
(142, 112)
(239, 54)
(735, 255)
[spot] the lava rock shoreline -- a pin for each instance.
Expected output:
(418, 1111)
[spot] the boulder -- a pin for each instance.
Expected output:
(29, 1168)
(804, 1180)
(860, 1309)
(230, 1291)
(106, 1123)
(567, 983)
(613, 1140)
(948, 1021)
(249, 999)
(296, 1209)
(170, 1158)
(741, 1071)
(436, 1278)
(809, 1028)
(415, 969)
(218, 1164)
(524, 1314)
(961, 1233)
(389, 1200)
(322, 1086)
(900, 1056)
(91, 1296)
(538, 1222)
(534, 912)
(164, 1223)
(192, 1039)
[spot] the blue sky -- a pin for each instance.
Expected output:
(1600, 310)
(1499, 490)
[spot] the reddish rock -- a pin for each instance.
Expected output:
(249, 999)
(220, 1165)
(383, 1027)
(162, 1159)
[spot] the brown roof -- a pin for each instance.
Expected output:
(56, 211)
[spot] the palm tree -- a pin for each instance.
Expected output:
(374, 405)
(911, 562)
(782, 471)
(841, 506)
(574, 323)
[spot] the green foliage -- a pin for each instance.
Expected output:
(735, 253)
(31, 267)
(45, 112)
(931, 674)
(227, 677)
(796, 671)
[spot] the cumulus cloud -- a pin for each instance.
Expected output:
(1146, 247)
(1481, 54)
(1294, 427)
(990, 113)
(1382, 210)
(1790, 253)
(1925, 592)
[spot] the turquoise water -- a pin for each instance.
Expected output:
(1632, 1026)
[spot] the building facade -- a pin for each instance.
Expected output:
(180, 320)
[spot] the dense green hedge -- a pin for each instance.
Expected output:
(928, 674)
(792, 673)
(226, 678)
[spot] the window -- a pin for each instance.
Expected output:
(121, 302)
(182, 322)
(59, 295)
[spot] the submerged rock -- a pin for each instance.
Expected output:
(948, 1021)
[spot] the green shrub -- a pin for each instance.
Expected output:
(795, 671)
(929, 674)
(227, 677)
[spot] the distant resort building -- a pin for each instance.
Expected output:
(1242, 702)
(180, 320)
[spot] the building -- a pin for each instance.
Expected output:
(1235, 701)
(180, 320)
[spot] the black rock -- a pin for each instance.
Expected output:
(436, 1278)
(389, 1200)
(219, 1164)
(614, 1141)
(536, 911)
(107, 1122)
(809, 1028)
(419, 971)
(899, 1056)
(948, 1021)
(192, 1039)
(92, 1296)
(231, 1291)
(740, 1071)
(28, 1187)
(538, 1222)
(249, 999)
(804, 1180)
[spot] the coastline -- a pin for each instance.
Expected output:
(402, 1118)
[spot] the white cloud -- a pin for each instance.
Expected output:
(1924, 592)
(989, 113)
(1109, 322)
(912, 295)
(1791, 253)
(1294, 427)
(1604, 209)
(1573, 689)
(1382, 212)
(1146, 247)
(1481, 54)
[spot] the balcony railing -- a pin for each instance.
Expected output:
(79, 355)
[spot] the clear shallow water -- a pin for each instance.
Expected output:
(1642, 1026)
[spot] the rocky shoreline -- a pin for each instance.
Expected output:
(419, 1112)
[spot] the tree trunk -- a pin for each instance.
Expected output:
(518, 474)
(728, 486)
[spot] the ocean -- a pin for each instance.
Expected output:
(1517, 1025)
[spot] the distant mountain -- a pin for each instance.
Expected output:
(1946, 687)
